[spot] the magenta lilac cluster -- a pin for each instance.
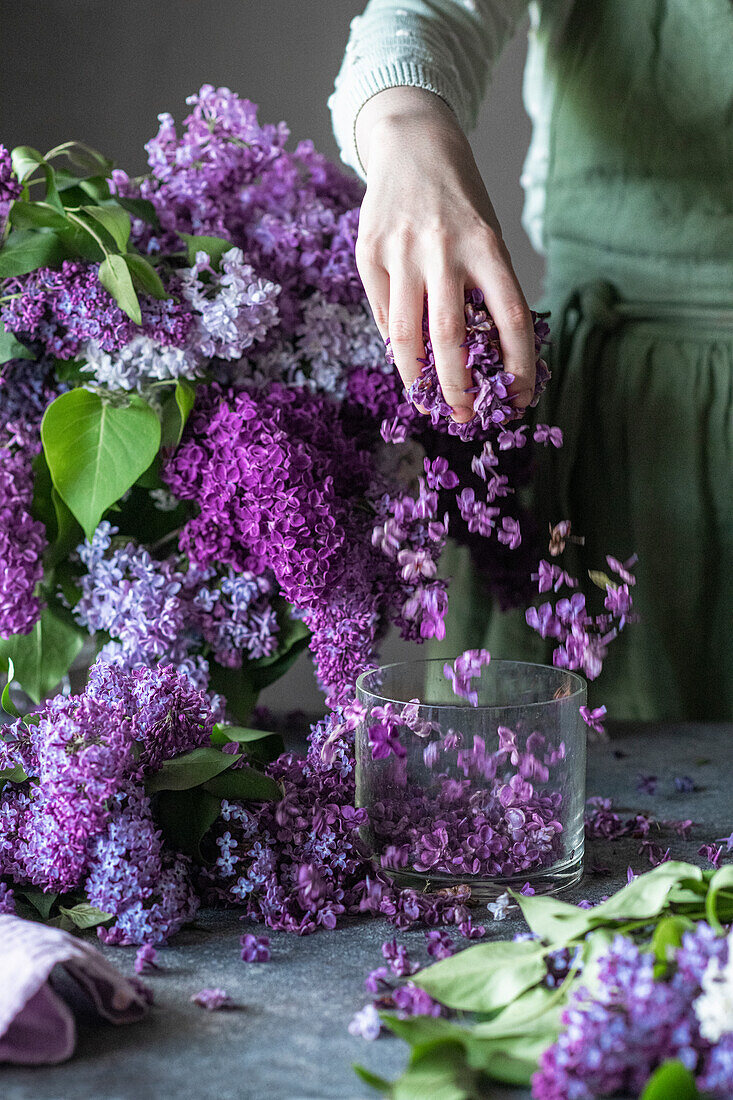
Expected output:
(615, 1037)
(80, 819)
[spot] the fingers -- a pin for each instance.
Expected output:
(447, 320)
(512, 317)
(406, 291)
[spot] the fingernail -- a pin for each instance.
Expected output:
(461, 415)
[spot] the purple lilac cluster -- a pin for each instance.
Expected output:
(487, 381)
(614, 1038)
(582, 639)
(10, 188)
(81, 819)
(482, 814)
(64, 310)
(22, 542)
(396, 993)
(284, 488)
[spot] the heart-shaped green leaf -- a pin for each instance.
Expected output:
(96, 451)
(671, 1081)
(26, 249)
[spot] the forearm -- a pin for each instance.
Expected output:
(446, 47)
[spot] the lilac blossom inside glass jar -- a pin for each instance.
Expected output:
(489, 795)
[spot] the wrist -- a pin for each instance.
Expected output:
(385, 116)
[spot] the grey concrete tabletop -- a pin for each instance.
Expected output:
(287, 1037)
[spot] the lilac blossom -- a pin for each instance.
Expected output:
(212, 999)
(255, 948)
(465, 668)
(594, 719)
(366, 1024)
(145, 959)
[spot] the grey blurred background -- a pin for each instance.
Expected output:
(100, 71)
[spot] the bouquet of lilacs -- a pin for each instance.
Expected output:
(207, 464)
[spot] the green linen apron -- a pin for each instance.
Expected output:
(639, 231)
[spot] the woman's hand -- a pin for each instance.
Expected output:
(427, 225)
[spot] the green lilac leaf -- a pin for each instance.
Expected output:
(260, 744)
(192, 769)
(666, 938)
(12, 775)
(381, 1084)
(144, 275)
(186, 817)
(42, 657)
(721, 882)
(244, 783)
(555, 921)
(671, 1081)
(485, 977)
(41, 902)
(214, 247)
(115, 277)
(175, 412)
(96, 451)
(25, 160)
(437, 1070)
(647, 895)
(11, 347)
(36, 215)
(114, 220)
(7, 703)
(87, 159)
(25, 250)
(237, 687)
(140, 208)
(85, 915)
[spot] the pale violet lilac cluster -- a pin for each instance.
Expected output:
(614, 1038)
(80, 819)
(164, 611)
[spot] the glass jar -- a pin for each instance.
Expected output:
(491, 796)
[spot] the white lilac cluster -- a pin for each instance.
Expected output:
(230, 311)
(714, 1006)
(137, 364)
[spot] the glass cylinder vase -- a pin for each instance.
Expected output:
(491, 796)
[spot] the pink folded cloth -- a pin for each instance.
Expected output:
(37, 1026)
